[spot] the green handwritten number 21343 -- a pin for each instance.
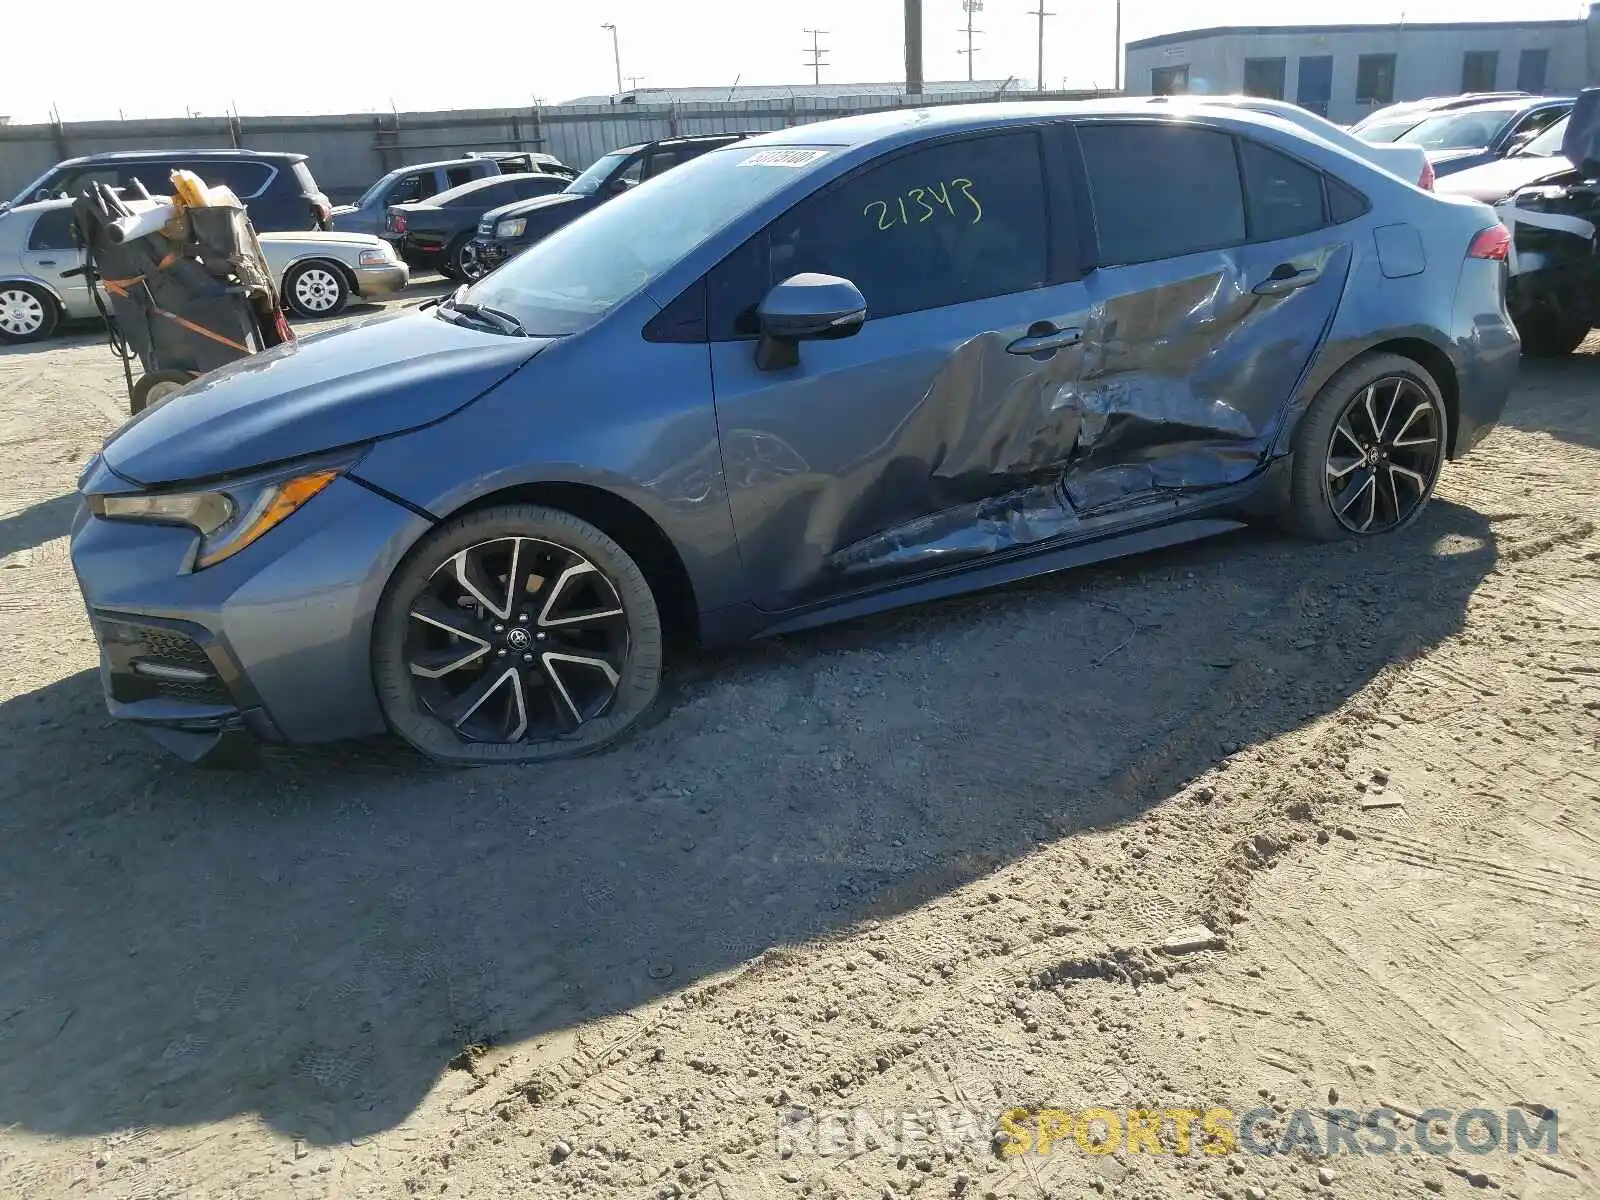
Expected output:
(924, 204)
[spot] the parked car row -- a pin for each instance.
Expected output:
(459, 216)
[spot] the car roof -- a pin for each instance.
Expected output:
(912, 124)
(1509, 103)
(106, 156)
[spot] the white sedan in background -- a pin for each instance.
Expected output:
(1408, 162)
(316, 273)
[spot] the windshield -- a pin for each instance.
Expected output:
(371, 195)
(1548, 143)
(589, 182)
(1459, 131)
(30, 193)
(574, 277)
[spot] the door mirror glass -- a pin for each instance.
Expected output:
(806, 307)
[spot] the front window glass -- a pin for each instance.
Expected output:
(570, 280)
(1548, 143)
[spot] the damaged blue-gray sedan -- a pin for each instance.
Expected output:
(815, 374)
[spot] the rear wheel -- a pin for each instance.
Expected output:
(1551, 335)
(27, 313)
(516, 634)
(1368, 452)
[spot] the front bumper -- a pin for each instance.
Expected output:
(272, 644)
(382, 281)
(492, 253)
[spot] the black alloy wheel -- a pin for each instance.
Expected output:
(514, 635)
(1369, 451)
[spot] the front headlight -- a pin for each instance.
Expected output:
(377, 258)
(227, 519)
(510, 229)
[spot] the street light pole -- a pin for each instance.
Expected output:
(616, 54)
(972, 7)
(1119, 45)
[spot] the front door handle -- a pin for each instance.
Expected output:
(1046, 343)
(47, 262)
(1286, 279)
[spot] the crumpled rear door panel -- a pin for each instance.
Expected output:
(1187, 371)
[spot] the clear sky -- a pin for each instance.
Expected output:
(318, 56)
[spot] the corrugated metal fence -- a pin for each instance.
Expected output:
(348, 152)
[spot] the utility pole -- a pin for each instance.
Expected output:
(1041, 14)
(634, 81)
(972, 7)
(1119, 45)
(914, 47)
(616, 53)
(816, 52)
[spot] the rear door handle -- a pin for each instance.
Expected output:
(1045, 343)
(1286, 279)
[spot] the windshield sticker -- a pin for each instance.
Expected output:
(783, 158)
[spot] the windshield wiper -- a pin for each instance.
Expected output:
(497, 319)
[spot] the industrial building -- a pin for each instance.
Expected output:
(1345, 71)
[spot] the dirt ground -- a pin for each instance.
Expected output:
(928, 861)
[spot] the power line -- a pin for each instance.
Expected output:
(816, 52)
(1041, 14)
(972, 7)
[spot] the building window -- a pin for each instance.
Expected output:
(1316, 83)
(1375, 79)
(1264, 77)
(1478, 70)
(1531, 68)
(1169, 81)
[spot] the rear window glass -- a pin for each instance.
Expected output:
(1160, 191)
(307, 181)
(1284, 196)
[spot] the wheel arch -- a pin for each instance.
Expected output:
(305, 260)
(626, 523)
(42, 285)
(1428, 352)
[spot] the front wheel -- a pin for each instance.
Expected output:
(27, 313)
(1551, 335)
(463, 262)
(516, 634)
(316, 289)
(1368, 452)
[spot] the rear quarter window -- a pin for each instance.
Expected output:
(1161, 191)
(1283, 197)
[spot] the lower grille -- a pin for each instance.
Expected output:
(149, 662)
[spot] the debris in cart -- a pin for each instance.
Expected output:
(188, 285)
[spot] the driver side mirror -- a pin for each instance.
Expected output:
(806, 307)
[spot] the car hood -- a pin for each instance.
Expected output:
(522, 208)
(385, 375)
(1496, 180)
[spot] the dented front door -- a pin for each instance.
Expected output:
(939, 433)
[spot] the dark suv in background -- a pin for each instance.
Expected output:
(278, 189)
(506, 231)
(438, 232)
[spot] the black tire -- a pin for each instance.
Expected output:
(563, 691)
(316, 289)
(461, 261)
(1333, 465)
(1550, 335)
(27, 314)
(150, 388)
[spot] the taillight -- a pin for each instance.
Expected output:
(1428, 176)
(1493, 243)
(397, 222)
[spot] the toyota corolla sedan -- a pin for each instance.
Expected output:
(815, 374)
